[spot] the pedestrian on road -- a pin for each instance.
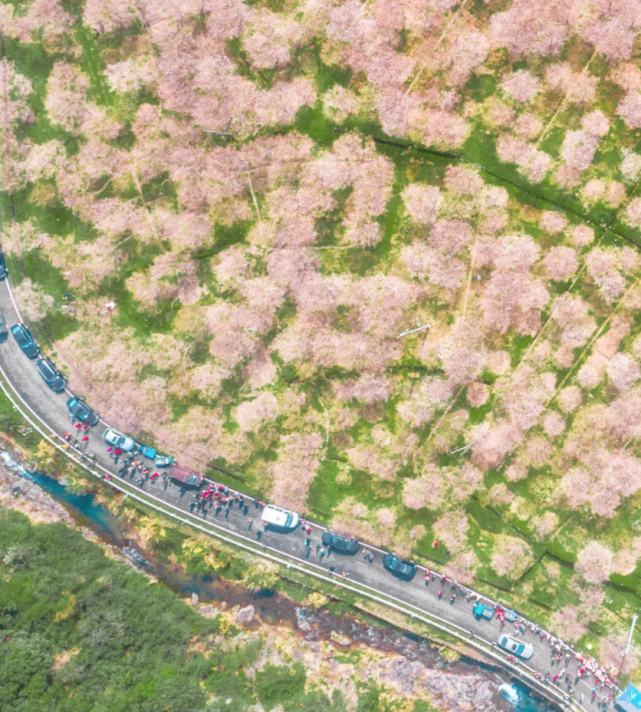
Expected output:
(322, 553)
(440, 594)
(344, 574)
(581, 698)
(453, 599)
(67, 436)
(427, 577)
(250, 521)
(471, 633)
(265, 526)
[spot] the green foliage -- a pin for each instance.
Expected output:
(129, 638)
(277, 684)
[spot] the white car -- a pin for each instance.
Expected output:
(522, 650)
(116, 439)
(280, 518)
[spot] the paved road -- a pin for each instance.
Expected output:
(244, 524)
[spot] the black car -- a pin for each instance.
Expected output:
(81, 411)
(339, 544)
(50, 375)
(25, 341)
(402, 568)
(4, 272)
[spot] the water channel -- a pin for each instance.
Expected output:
(87, 512)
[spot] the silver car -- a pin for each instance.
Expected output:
(522, 650)
(116, 439)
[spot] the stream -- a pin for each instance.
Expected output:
(271, 607)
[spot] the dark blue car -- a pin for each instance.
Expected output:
(51, 375)
(401, 568)
(81, 411)
(3, 268)
(25, 341)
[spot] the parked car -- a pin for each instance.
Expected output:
(51, 375)
(480, 610)
(278, 518)
(340, 544)
(81, 411)
(186, 478)
(4, 272)
(522, 650)
(25, 341)
(116, 439)
(401, 568)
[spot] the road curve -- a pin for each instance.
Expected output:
(48, 413)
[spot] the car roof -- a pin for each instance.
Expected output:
(275, 515)
(46, 363)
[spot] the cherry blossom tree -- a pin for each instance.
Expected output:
(578, 149)
(623, 371)
(295, 468)
(611, 28)
(594, 562)
(541, 29)
(582, 235)
(340, 103)
(422, 202)
(553, 424)
(511, 557)
(66, 100)
(528, 126)
(532, 163)
(424, 491)
(251, 415)
(577, 87)
(521, 85)
(570, 398)
(552, 221)
(560, 263)
(630, 110)
(608, 266)
(270, 38)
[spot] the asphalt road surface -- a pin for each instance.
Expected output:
(245, 523)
